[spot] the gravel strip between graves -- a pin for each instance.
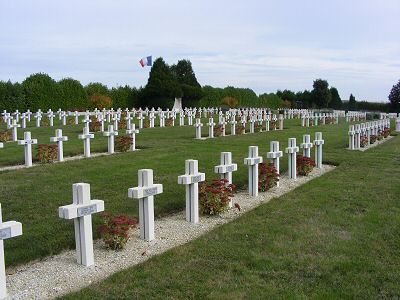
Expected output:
(376, 143)
(59, 274)
(68, 158)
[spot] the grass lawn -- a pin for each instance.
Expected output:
(334, 237)
(32, 196)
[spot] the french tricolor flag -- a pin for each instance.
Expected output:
(146, 61)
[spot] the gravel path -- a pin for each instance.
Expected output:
(59, 274)
(68, 158)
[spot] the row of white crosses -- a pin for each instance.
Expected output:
(355, 116)
(27, 142)
(357, 131)
(83, 206)
(316, 117)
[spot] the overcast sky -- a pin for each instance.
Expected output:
(263, 45)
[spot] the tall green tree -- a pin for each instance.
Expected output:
(96, 88)
(287, 95)
(161, 88)
(336, 101)
(41, 92)
(186, 78)
(72, 94)
(304, 99)
(11, 96)
(321, 95)
(124, 96)
(352, 103)
(394, 97)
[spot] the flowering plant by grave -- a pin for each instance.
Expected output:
(214, 197)
(380, 136)
(240, 129)
(328, 120)
(168, 122)
(5, 135)
(258, 127)
(45, 122)
(114, 230)
(94, 125)
(372, 138)
(304, 165)
(386, 132)
(268, 176)
(197, 115)
(122, 124)
(70, 121)
(146, 123)
(272, 125)
(363, 141)
(46, 153)
(218, 130)
(123, 143)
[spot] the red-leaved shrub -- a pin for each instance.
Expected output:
(304, 165)
(268, 177)
(214, 197)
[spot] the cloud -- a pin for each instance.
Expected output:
(264, 45)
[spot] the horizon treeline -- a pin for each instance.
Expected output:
(40, 91)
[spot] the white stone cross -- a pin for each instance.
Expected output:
(28, 113)
(14, 127)
(140, 118)
(115, 120)
(274, 155)
(198, 126)
(357, 136)
(306, 145)
(223, 124)
(59, 139)
(181, 119)
(252, 162)
(110, 134)
(211, 125)
(128, 120)
(8, 230)
(267, 120)
(76, 115)
(132, 131)
(86, 121)
(280, 118)
(145, 192)
(86, 136)
(191, 180)
(81, 211)
(252, 121)
(318, 142)
(51, 116)
(23, 120)
(28, 142)
(292, 150)
(233, 125)
(63, 116)
(226, 168)
(38, 117)
(351, 137)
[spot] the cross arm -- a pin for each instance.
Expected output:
(10, 229)
(73, 211)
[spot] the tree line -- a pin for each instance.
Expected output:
(165, 83)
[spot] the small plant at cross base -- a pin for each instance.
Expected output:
(46, 153)
(5, 136)
(197, 115)
(123, 143)
(304, 165)
(258, 127)
(372, 138)
(45, 122)
(363, 141)
(380, 136)
(214, 197)
(168, 122)
(115, 230)
(272, 125)
(328, 120)
(122, 124)
(218, 130)
(240, 129)
(70, 121)
(386, 132)
(94, 125)
(268, 177)
(146, 123)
